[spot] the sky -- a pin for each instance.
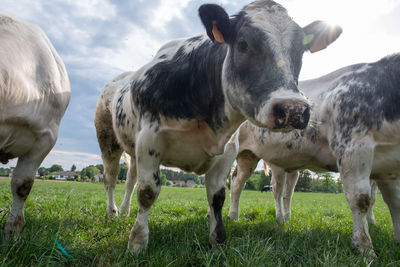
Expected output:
(99, 39)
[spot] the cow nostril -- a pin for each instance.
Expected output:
(306, 116)
(279, 112)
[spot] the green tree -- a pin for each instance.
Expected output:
(73, 168)
(197, 179)
(258, 180)
(42, 171)
(328, 183)
(56, 168)
(123, 170)
(163, 178)
(4, 172)
(100, 167)
(304, 184)
(89, 172)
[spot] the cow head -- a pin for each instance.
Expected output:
(262, 65)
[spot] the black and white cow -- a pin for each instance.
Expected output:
(34, 94)
(354, 129)
(182, 107)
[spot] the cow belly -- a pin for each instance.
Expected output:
(190, 158)
(386, 161)
(15, 141)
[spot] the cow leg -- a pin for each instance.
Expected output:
(390, 190)
(374, 191)
(22, 182)
(246, 163)
(215, 186)
(355, 168)
(291, 181)
(278, 182)
(148, 189)
(129, 187)
(111, 169)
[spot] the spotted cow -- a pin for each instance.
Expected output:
(182, 107)
(354, 129)
(34, 94)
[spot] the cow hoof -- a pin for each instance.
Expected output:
(135, 248)
(124, 210)
(112, 212)
(138, 238)
(13, 228)
(369, 257)
(233, 216)
(217, 238)
(281, 220)
(286, 217)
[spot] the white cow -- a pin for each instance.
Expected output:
(34, 94)
(182, 107)
(354, 129)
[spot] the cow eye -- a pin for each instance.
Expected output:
(242, 46)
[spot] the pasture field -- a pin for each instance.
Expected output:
(73, 214)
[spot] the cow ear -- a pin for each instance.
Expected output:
(216, 21)
(319, 35)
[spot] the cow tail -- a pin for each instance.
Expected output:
(234, 173)
(127, 159)
(266, 168)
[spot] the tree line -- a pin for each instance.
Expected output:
(307, 182)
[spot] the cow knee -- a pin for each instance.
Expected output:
(363, 202)
(146, 196)
(22, 188)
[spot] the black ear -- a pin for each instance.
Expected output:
(319, 35)
(216, 21)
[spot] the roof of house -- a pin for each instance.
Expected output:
(65, 173)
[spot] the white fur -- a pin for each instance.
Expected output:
(34, 94)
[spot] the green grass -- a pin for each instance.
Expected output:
(319, 233)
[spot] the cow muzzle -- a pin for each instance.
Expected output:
(290, 115)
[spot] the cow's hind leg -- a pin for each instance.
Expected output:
(22, 182)
(391, 195)
(111, 169)
(278, 182)
(246, 163)
(129, 186)
(291, 181)
(110, 153)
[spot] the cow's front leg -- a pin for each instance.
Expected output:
(215, 186)
(278, 182)
(291, 181)
(22, 182)
(148, 189)
(246, 163)
(355, 165)
(129, 186)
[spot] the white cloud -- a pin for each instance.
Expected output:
(166, 11)
(67, 158)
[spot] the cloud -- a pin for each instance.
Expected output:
(67, 158)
